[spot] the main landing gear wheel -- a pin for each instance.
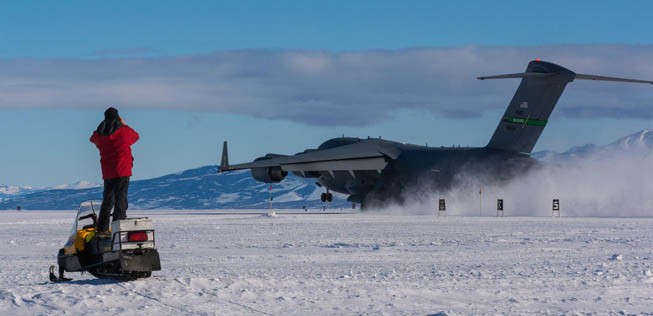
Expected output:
(326, 197)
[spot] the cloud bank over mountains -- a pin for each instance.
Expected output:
(330, 88)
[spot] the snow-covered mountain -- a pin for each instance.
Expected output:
(9, 191)
(203, 188)
(200, 188)
(640, 141)
(637, 143)
(77, 185)
(14, 190)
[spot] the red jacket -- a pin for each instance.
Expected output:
(115, 152)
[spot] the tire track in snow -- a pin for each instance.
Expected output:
(175, 308)
(242, 306)
(251, 309)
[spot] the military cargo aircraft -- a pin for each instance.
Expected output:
(372, 171)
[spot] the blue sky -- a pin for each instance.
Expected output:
(286, 75)
(81, 29)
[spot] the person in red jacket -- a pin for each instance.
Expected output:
(113, 139)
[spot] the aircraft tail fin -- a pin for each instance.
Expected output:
(527, 114)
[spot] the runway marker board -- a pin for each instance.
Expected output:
(556, 207)
(499, 207)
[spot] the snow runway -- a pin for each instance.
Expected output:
(344, 264)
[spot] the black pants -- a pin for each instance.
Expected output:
(115, 197)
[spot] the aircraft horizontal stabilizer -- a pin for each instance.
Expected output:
(519, 75)
(604, 78)
(577, 76)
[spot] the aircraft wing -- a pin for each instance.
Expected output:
(364, 155)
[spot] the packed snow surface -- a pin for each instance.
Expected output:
(344, 264)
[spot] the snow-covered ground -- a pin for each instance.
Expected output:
(345, 264)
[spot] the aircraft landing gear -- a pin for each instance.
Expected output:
(326, 197)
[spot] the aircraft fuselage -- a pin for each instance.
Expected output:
(435, 168)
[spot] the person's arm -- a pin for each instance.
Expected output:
(94, 138)
(132, 136)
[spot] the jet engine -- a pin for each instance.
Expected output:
(269, 174)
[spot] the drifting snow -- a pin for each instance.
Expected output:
(345, 264)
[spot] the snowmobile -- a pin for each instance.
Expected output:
(127, 254)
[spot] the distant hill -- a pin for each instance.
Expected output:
(200, 188)
(637, 143)
(9, 192)
(203, 188)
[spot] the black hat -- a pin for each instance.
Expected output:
(111, 114)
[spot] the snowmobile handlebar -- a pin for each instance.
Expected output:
(91, 216)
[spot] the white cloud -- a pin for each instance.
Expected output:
(330, 88)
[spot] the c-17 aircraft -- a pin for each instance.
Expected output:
(371, 171)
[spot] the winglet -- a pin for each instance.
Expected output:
(224, 162)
